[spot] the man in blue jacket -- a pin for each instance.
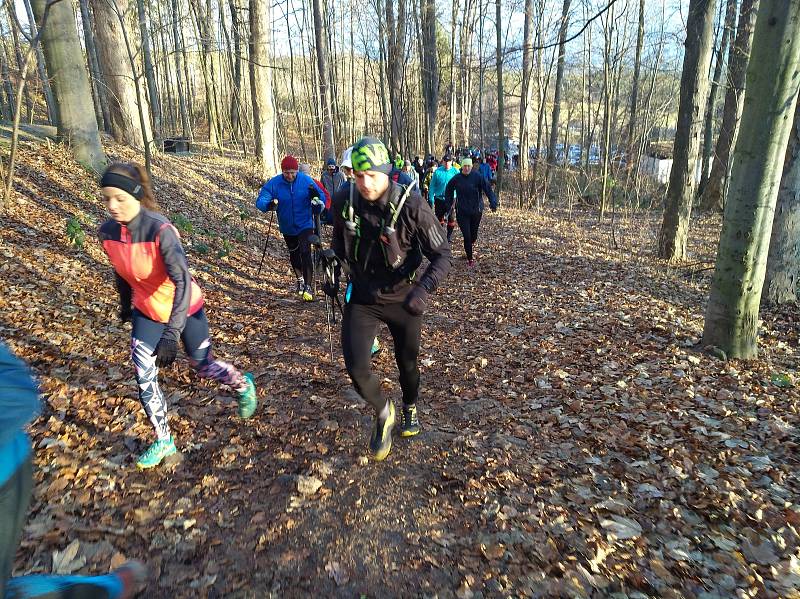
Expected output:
(19, 403)
(296, 198)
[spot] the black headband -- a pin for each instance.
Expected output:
(124, 183)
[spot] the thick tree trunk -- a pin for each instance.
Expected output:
(731, 320)
(261, 86)
(118, 72)
(783, 262)
(451, 123)
(152, 84)
(328, 148)
(430, 73)
(562, 34)
(674, 232)
(738, 57)
(70, 83)
(711, 108)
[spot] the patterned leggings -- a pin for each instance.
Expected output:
(196, 342)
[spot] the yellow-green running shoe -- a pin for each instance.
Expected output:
(381, 441)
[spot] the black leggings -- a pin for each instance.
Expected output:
(359, 327)
(469, 223)
(300, 254)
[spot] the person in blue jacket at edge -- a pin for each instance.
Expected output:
(19, 404)
(296, 198)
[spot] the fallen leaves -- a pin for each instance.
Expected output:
(575, 441)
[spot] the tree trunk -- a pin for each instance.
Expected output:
(236, 99)
(738, 57)
(430, 73)
(691, 109)
(118, 72)
(526, 92)
(52, 111)
(396, 35)
(207, 66)
(70, 83)
(152, 84)
(451, 123)
(501, 133)
(562, 34)
(20, 60)
(329, 150)
(179, 70)
(783, 262)
(102, 112)
(261, 86)
(731, 320)
(711, 109)
(637, 68)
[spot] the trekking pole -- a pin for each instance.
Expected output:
(266, 242)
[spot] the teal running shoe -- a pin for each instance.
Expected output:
(248, 401)
(376, 348)
(156, 453)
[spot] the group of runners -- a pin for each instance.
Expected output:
(382, 226)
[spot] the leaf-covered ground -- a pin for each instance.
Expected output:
(577, 443)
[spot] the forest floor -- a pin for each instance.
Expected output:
(576, 441)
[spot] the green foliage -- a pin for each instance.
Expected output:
(226, 248)
(75, 232)
(239, 236)
(244, 215)
(201, 248)
(182, 223)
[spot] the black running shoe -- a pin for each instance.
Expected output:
(409, 424)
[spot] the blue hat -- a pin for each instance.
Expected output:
(330, 162)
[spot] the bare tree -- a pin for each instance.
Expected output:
(329, 150)
(674, 232)
(430, 73)
(738, 58)
(261, 86)
(711, 108)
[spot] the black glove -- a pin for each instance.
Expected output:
(331, 288)
(125, 314)
(415, 300)
(166, 351)
(312, 191)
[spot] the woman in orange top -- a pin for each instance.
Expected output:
(161, 299)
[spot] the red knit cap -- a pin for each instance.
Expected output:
(290, 163)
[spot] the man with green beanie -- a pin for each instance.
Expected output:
(381, 230)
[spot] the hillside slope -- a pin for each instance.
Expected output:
(575, 444)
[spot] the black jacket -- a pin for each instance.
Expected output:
(468, 189)
(418, 233)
